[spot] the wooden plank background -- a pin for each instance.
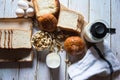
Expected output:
(107, 10)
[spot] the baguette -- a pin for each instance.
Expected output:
(47, 12)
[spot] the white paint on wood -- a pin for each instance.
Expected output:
(62, 69)
(100, 11)
(27, 70)
(81, 6)
(64, 2)
(10, 7)
(63, 75)
(39, 69)
(9, 71)
(115, 23)
(14, 7)
(2, 8)
(43, 72)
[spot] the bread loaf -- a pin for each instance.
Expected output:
(19, 24)
(15, 38)
(70, 20)
(15, 34)
(47, 12)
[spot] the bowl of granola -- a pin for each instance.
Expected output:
(41, 40)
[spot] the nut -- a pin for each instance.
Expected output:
(41, 40)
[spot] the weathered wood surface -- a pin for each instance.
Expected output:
(2, 7)
(115, 23)
(107, 10)
(7, 8)
(100, 11)
(81, 6)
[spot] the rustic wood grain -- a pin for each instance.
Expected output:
(2, 8)
(63, 66)
(27, 70)
(10, 7)
(43, 72)
(115, 23)
(100, 11)
(9, 71)
(81, 6)
(107, 10)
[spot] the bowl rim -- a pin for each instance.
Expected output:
(37, 48)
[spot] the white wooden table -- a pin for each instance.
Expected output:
(108, 10)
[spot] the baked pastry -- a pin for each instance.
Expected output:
(47, 12)
(74, 45)
(70, 20)
(47, 22)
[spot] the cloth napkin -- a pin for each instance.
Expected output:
(92, 64)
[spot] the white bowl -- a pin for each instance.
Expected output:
(41, 41)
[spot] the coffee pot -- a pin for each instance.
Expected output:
(97, 31)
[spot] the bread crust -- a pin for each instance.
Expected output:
(56, 14)
(47, 21)
(36, 7)
(8, 26)
(80, 20)
(18, 24)
(74, 45)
